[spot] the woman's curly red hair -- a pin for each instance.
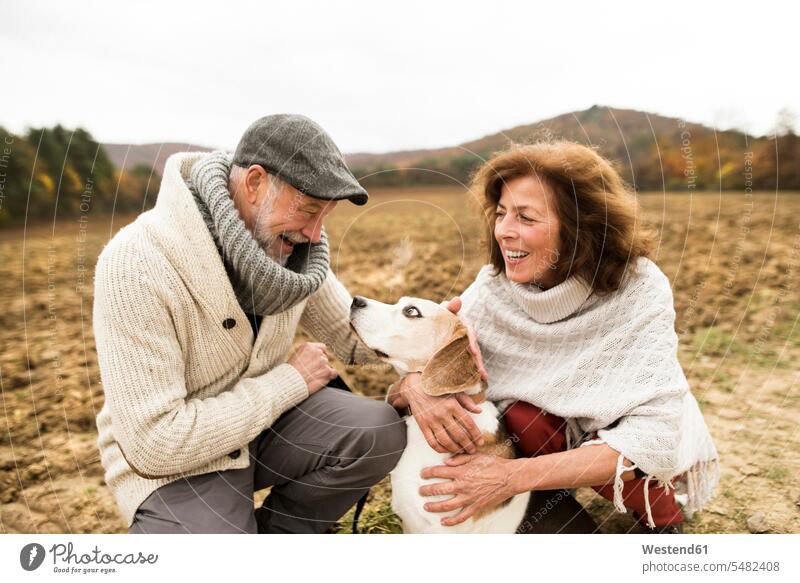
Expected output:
(601, 228)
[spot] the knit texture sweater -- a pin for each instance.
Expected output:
(607, 364)
(186, 384)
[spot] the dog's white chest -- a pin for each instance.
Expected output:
(408, 504)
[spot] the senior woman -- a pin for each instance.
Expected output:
(576, 329)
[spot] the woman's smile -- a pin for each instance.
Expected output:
(515, 257)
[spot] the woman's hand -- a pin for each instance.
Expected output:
(475, 482)
(454, 306)
(444, 421)
(396, 396)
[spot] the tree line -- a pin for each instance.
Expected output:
(51, 173)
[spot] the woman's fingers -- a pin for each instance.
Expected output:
(468, 423)
(467, 402)
(459, 518)
(455, 428)
(476, 352)
(432, 441)
(438, 489)
(445, 440)
(454, 305)
(445, 505)
(458, 460)
(438, 472)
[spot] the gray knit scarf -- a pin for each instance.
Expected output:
(262, 285)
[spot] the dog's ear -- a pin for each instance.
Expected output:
(452, 369)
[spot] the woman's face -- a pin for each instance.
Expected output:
(527, 230)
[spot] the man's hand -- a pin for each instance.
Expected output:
(311, 361)
(444, 420)
(454, 306)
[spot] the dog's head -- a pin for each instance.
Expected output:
(418, 335)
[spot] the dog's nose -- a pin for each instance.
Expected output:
(358, 302)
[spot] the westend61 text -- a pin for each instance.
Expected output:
(675, 550)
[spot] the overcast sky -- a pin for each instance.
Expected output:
(387, 76)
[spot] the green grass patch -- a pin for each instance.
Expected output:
(713, 341)
(776, 474)
(767, 350)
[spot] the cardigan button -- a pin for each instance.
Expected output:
(228, 323)
(234, 454)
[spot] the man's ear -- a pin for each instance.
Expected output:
(254, 177)
(452, 369)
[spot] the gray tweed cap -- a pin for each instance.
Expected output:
(297, 150)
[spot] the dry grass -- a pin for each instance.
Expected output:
(733, 260)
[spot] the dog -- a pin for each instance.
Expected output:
(417, 335)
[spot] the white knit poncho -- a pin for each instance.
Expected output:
(608, 365)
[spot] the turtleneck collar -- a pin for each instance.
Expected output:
(553, 304)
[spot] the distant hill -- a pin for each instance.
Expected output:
(127, 156)
(651, 151)
(607, 127)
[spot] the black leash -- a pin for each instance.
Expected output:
(359, 508)
(338, 383)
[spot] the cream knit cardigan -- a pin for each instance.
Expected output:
(186, 389)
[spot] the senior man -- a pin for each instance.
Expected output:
(196, 307)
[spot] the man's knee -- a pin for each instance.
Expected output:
(216, 502)
(380, 437)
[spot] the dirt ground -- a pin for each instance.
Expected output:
(733, 260)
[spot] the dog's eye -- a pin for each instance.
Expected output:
(411, 312)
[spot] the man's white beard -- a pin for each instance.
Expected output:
(268, 240)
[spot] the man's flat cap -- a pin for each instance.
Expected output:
(297, 150)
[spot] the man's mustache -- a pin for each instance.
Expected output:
(296, 238)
